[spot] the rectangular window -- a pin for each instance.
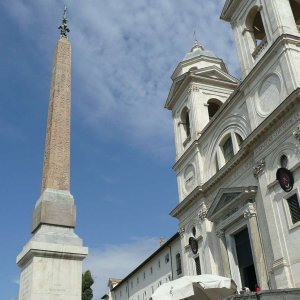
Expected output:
(144, 275)
(293, 203)
(228, 149)
(151, 270)
(198, 267)
(178, 264)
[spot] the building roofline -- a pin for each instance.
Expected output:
(167, 243)
(228, 9)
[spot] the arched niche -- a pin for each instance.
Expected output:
(213, 107)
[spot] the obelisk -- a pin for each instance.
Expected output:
(51, 262)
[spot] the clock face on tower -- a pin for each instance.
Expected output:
(189, 177)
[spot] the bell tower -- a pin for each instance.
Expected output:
(260, 25)
(201, 84)
(51, 262)
(268, 41)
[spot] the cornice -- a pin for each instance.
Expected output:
(269, 54)
(195, 78)
(198, 58)
(228, 10)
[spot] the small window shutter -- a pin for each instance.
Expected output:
(294, 208)
(198, 267)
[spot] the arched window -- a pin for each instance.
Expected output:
(239, 139)
(178, 264)
(213, 107)
(217, 164)
(256, 32)
(258, 28)
(185, 121)
(295, 6)
(227, 148)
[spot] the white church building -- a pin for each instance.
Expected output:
(238, 151)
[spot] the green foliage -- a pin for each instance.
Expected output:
(87, 282)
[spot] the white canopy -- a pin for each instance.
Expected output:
(201, 287)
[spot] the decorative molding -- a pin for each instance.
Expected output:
(296, 133)
(280, 263)
(220, 234)
(259, 168)
(291, 120)
(250, 212)
(193, 88)
(202, 212)
(181, 231)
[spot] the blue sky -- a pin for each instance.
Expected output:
(124, 53)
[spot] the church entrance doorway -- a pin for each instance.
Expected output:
(245, 259)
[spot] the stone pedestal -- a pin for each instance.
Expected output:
(54, 207)
(51, 265)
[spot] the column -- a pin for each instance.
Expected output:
(257, 252)
(224, 254)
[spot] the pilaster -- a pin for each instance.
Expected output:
(224, 253)
(258, 256)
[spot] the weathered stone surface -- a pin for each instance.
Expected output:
(56, 173)
(285, 294)
(51, 262)
(51, 265)
(54, 207)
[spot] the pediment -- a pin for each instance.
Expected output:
(230, 199)
(175, 86)
(216, 73)
(211, 72)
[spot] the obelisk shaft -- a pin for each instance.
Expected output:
(56, 205)
(51, 261)
(56, 174)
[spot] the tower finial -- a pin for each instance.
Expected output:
(195, 37)
(64, 29)
(197, 45)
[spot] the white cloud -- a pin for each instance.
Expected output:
(117, 260)
(123, 55)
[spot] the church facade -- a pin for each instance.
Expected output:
(238, 155)
(238, 150)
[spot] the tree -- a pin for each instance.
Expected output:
(87, 282)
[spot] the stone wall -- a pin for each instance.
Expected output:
(286, 294)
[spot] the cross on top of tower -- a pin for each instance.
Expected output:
(64, 29)
(197, 45)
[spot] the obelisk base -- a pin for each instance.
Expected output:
(51, 265)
